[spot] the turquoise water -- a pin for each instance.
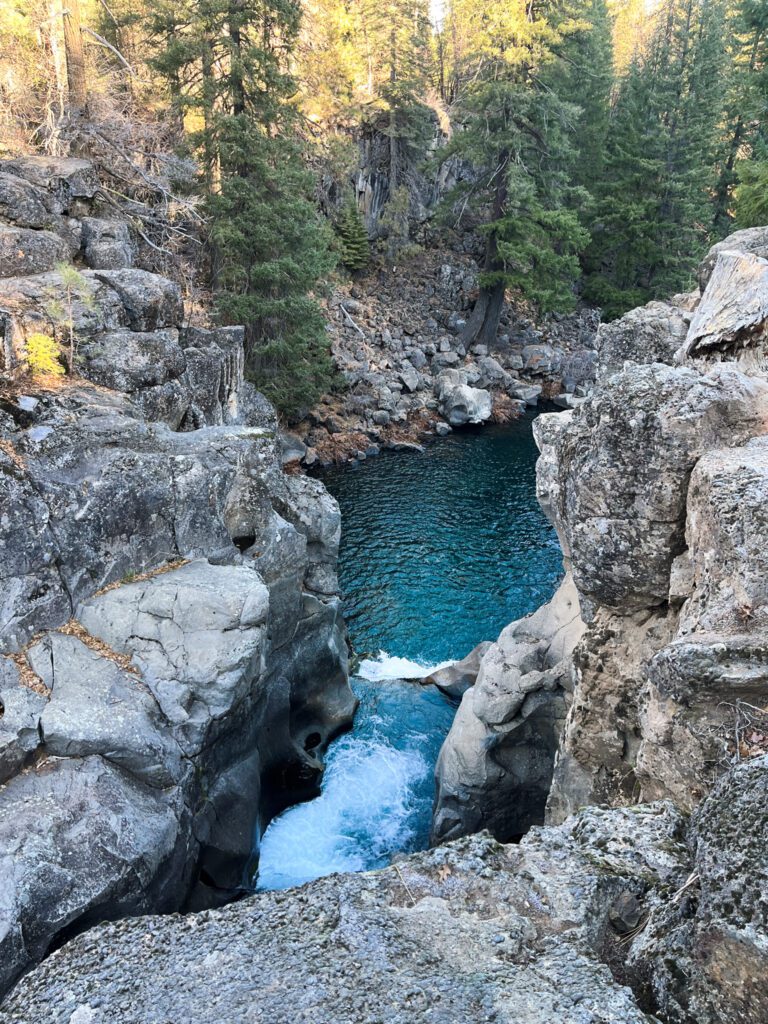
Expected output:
(439, 552)
(442, 550)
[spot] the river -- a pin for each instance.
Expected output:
(439, 552)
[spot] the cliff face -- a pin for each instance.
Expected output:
(174, 658)
(657, 486)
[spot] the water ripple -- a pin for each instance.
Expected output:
(442, 550)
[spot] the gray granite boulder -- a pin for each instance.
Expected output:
(732, 318)
(22, 203)
(749, 240)
(81, 841)
(472, 931)
(106, 244)
(649, 334)
(150, 301)
(96, 707)
(461, 404)
(495, 766)
(197, 636)
(23, 251)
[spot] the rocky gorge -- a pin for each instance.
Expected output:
(173, 655)
(173, 640)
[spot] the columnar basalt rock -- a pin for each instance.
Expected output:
(171, 628)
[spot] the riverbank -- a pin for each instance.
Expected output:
(406, 374)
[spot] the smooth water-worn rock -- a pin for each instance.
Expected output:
(495, 767)
(462, 404)
(456, 678)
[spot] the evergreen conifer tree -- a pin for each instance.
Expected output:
(746, 115)
(355, 248)
(516, 134)
(654, 214)
(226, 63)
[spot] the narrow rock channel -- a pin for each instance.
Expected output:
(439, 552)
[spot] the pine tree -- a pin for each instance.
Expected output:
(355, 248)
(751, 194)
(583, 74)
(654, 214)
(226, 64)
(516, 134)
(746, 117)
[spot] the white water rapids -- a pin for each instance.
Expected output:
(377, 788)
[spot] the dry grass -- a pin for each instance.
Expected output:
(77, 630)
(142, 576)
(27, 677)
(505, 409)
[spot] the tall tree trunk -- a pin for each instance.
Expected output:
(483, 323)
(73, 48)
(235, 36)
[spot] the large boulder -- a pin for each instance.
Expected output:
(749, 240)
(471, 931)
(150, 301)
(650, 334)
(732, 317)
(23, 251)
(97, 707)
(495, 767)
(106, 244)
(197, 636)
(82, 841)
(131, 361)
(23, 203)
(461, 404)
(63, 181)
(649, 425)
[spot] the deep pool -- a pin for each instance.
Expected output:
(439, 551)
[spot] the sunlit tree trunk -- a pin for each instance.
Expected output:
(73, 48)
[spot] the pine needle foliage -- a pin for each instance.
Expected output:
(353, 238)
(228, 68)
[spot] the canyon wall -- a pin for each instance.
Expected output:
(173, 658)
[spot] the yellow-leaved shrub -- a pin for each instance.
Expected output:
(43, 355)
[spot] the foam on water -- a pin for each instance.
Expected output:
(384, 666)
(376, 795)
